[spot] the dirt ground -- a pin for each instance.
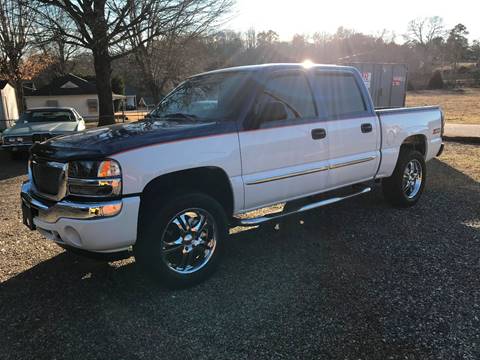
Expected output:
(354, 280)
(460, 107)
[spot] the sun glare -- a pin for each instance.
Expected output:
(307, 63)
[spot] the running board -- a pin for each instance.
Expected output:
(314, 205)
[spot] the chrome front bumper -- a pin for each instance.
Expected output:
(16, 147)
(68, 209)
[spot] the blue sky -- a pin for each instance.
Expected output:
(368, 16)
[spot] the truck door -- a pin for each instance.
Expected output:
(352, 127)
(285, 154)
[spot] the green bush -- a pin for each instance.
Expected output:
(436, 81)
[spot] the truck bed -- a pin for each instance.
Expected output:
(397, 123)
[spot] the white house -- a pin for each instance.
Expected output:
(68, 91)
(8, 105)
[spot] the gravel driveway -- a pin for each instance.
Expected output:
(355, 280)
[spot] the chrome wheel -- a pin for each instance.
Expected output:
(189, 241)
(412, 178)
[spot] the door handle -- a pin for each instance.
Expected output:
(366, 128)
(318, 134)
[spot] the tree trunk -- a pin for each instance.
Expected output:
(19, 93)
(16, 79)
(155, 91)
(144, 59)
(103, 73)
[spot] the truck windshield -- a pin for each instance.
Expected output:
(212, 97)
(46, 116)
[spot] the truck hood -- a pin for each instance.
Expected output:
(41, 127)
(108, 140)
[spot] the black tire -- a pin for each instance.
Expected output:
(149, 249)
(393, 186)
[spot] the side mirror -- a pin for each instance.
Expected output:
(271, 111)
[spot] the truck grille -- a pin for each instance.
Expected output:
(49, 178)
(40, 137)
(19, 140)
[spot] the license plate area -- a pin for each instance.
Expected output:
(28, 213)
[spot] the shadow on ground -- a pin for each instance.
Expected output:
(354, 280)
(10, 168)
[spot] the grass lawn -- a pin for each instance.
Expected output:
(459, 107)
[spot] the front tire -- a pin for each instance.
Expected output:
(405, 187)
(181, 242)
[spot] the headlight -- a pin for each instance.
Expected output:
(101, 178)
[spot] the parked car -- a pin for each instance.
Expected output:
(171, 186)
(40, 124)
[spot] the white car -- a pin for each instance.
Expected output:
(172, 185)
(40, 124)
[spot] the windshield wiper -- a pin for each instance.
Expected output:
(179, 116)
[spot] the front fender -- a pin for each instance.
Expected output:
(141, 165)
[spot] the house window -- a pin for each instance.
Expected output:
(92, 106)
(51, 103)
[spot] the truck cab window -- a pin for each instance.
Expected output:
(291, 90)
(339, 95)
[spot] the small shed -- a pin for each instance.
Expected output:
(8, 105)
(68, 91)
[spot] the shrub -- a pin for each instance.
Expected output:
(436, 81)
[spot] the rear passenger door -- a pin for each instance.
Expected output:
(352, 127)
(284, 157)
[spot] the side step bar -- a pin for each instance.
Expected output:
(314, 205)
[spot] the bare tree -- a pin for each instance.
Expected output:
(423, 31)
(15, 30)
(251, 38)
(425, 35)
(299, 41)
(161, 58)
(266, 38)
(105, 27)
(50, 38)
(166, 62)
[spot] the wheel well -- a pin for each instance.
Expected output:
(417, 143)
(212, 181)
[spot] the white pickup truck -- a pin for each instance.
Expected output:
(221, 144)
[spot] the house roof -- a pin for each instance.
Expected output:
(67, 85)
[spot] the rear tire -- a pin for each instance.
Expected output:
(405, 187)
(181, 242)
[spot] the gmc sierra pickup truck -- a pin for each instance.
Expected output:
(221, 144)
